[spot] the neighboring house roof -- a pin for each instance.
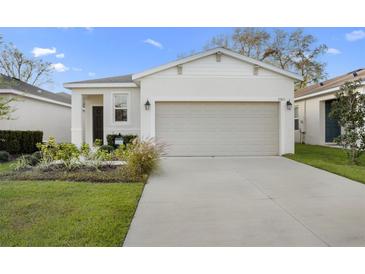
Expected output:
(130, 79)
(13, 85)
(330, 85)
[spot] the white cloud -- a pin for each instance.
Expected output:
(77, 69)
(153, 43)
(333, 51)
(355, 35)
(91, 74)
(37, 52)
(60, 55)
(89, 29)
(59, 67)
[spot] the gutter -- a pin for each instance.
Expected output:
(100, 85)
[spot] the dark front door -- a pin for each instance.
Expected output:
(333, 129)
(98, 125)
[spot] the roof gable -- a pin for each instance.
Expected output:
(138, 76)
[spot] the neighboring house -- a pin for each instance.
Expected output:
(37, 109)
(313, 125)
(215, 103)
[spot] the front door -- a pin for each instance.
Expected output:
(98, 125)
(333, 129)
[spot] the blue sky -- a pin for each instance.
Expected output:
(86, 53)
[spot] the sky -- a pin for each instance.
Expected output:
(88, 53)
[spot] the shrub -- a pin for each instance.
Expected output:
(143, 156)
(66, 152)
(102, 155)
(98, 143)
(37, 155)
(31, 160)
(21, 163)
(107, 148)
(4, 156)
(20, 142)
(85, 150)
(127, 139)
(48, 149)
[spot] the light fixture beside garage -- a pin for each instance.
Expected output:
(289, 105)
(147, 105)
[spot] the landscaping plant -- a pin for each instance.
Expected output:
(349, 111)
(143, 156)
(4, 156)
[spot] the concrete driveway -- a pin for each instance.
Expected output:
(260, 201)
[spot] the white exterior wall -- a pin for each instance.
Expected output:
(228, 80)
(312, 119)
(31, 114)
(104, 97)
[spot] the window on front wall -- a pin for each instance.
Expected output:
(296, 118)
(121, 107)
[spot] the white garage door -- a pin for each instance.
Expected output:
(218, 128)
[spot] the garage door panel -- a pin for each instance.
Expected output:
(217, 128)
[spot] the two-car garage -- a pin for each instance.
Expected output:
(218, 128)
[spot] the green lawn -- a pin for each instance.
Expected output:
(331, 159)
(53, 213)
(5, 166)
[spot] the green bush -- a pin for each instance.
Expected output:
(22, 163)
(66, 152)
(4, 156)
(127, 139)
(48, 149)
(37, 155)
(52, 151)
(107, 148)
(85, 150)
(31, 160)
(20, 142)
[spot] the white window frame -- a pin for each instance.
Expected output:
(114, 94)
(296, 116)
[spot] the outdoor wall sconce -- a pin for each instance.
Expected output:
(289, 105)
(147, 105)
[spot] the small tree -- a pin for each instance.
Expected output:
(349, 111)
(5, 108)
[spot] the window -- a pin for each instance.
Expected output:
(121, 107)
(296, 118)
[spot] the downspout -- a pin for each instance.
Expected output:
(303, 129)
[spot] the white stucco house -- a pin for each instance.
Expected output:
(214, 103)
(313, 105)
(37, 109)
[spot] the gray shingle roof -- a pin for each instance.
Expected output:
(331, 83)
(7, 82)
(116, 79)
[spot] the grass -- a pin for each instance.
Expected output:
(55, 213)
(331, 159)
(5, 166)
